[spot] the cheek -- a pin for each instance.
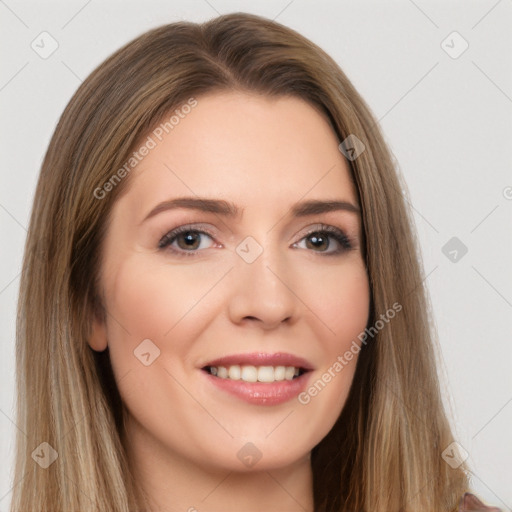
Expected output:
(342, 310)
(340, 297)
(153, 300)
(152, 297)
(157, 301)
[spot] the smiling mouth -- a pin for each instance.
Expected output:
(250, 373)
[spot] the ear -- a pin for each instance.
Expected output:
(98, 334)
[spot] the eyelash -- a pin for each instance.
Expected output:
(340, 237)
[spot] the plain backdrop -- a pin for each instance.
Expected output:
(446, 111)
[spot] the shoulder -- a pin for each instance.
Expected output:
(469, 502)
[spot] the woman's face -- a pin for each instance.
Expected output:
(251, 283)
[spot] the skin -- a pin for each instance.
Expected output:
(183, 433)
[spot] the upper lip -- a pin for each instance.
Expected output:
(262, 359)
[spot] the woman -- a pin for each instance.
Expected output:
(221, 303)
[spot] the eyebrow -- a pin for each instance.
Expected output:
(228, 209)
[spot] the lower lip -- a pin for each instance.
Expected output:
(261, 393)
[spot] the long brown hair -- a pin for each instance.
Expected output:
(385, 451)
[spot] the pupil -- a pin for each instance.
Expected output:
(190, 239)
(319, 240)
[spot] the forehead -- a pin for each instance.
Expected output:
(246, 148)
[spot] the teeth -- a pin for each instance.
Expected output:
(255, 373)
(279, 372)
(234, 372)
(222, 371)
(266, 374)
(249, 373)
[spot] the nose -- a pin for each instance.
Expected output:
(263, 292)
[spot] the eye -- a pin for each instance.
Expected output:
(320, 240)
(185, 240)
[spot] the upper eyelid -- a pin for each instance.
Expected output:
(192, 226)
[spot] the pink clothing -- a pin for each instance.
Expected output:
(469, 502)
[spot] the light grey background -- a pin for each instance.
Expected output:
(448, 122)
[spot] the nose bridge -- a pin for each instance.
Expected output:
(262, 289)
